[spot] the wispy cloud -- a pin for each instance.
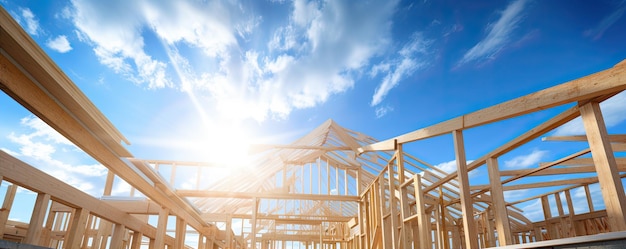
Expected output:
(318, 52)
(613, 110)
(608, 21)
(60, 44)
(383, 110)
(525, 161)
(43, 147)
(410, 58)
(499, 34)
(27, 19)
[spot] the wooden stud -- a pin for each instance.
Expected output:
(77, 229)
(136, 240)
(181, 231)
(469, 226)
(604, 160)
(423, 222)
(6, 206)
(159, 240)
(33, 235)
(500, 210)
(118, 236)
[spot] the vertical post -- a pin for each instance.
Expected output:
(118, 236)
(469, 226)
(77, 229)
(501, 215)
(181, 231)
(229, 232)
(423, 223)
(36, 221)
(393, 217)
(491, 238)
(159, 240)
(108, 185)
(589, 201)
(606, 166)
(547, 214)
(6, 206)
(255, 207)
(570, 212)
(136, 243)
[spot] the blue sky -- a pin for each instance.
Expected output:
(191, 80)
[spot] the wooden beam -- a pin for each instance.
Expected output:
(469, 226)
(501, 214)
(118, 236)
(181, 231)
(159, 240)
(77, 229)
(423, 222)
(37, 218)
(608, 174)
(621, 138)
(265, 195)
(601, 83)
(7, 204)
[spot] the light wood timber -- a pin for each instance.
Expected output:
(608, 174)
(7, 204)
(469, 227)
(621, 138)
(118, 236)
(76, 229)
(501, 215)
(159, 241)
(261, 195)
(37, 219)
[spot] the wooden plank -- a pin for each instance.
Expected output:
(136, 241)
(467, 209)
(181, 231)
(423, 222)
(37, 218)
(118, 236)
(608, 174)
(7, 204)
(77, 229)
(621, 138)
(501, 215)
(266, 195)
(159, 240)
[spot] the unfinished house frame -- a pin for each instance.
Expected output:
(333, 188)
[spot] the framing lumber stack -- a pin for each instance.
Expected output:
(333, 188)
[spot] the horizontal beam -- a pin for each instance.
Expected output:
(260, 195)
(583, 138)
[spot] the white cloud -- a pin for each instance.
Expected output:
(317, 53)
(606, 22)
(42, 145)
(382, 111)
(450, 167)
(411, 58)
(525, 161)
(60, 44)
(498, 35)
(32, 24)
(613, 110)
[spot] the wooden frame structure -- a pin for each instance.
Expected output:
(333, 188)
